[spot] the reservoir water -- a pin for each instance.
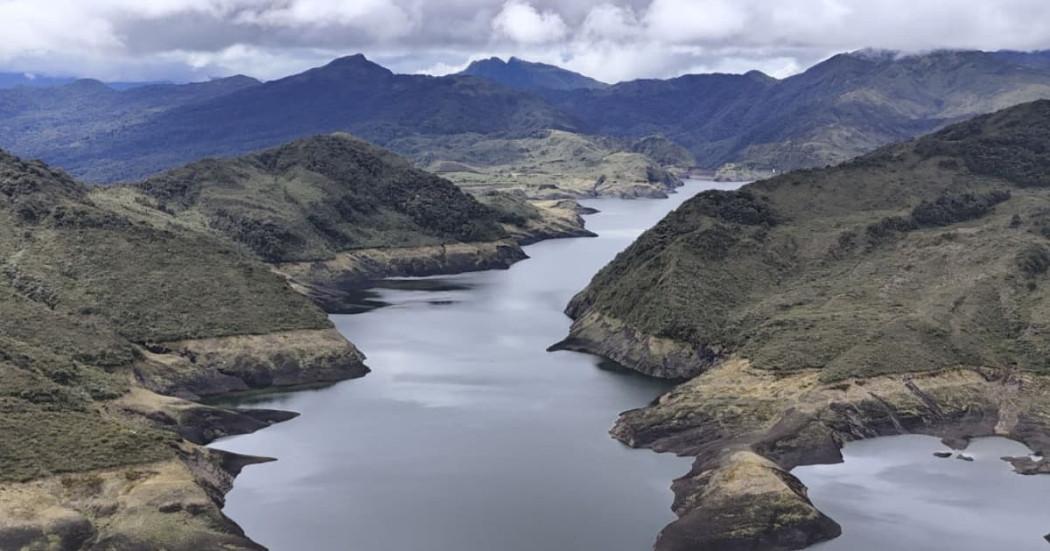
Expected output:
(892, 493)
(468, 435)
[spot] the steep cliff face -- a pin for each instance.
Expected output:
(904, 291)
(99, 303)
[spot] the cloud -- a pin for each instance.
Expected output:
(686, 21)
(380, 19)
(523, 23)
(608, 39)
(609, 22)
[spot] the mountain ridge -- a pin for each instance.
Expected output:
(348, 94)
(748, 124)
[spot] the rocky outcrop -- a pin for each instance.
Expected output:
(207, 367)
(748, 502)
(173, 505)
(657, 185)
(198, 423)
(176, 503)
(738, 419)
(1029, 465)
(330, 282)
(557, 219)
(605, 336)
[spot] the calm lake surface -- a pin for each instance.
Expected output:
(892, 493)
(468, 435)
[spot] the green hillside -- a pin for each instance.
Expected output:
(919, 256)
(903, 292)
(313, 198)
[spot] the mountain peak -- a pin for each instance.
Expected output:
(528, 75)
(87, 84)
(755, 74)
(357, 63)
(353, 58)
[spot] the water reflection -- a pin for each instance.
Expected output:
(468, 435)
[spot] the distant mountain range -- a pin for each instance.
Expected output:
(30, 80)
(744, 124)
(348, 94)
(840, 108)
(59, 123)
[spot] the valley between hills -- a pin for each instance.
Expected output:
(846, 297)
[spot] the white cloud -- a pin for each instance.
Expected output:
(686, 21)
(609, 22)
(246, 59)
(382, 19)
(442, 68)
(523, 23)
(608, 39)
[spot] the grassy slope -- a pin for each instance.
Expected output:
(313, 198)
(545, 163)
(907, 259)
(80, 285)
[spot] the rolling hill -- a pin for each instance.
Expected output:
(112, 320)
(903, 291)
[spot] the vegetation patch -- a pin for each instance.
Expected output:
(778, 272)
(317, 197)
(1004, 145)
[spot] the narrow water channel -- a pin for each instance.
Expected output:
(468, 435)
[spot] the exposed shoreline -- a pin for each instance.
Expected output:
(172, 377)
(744, 423)
(327, 283)
(177, 501)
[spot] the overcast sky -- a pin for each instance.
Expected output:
(611, 40)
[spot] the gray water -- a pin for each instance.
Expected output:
(468, 435)
(892, 493)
